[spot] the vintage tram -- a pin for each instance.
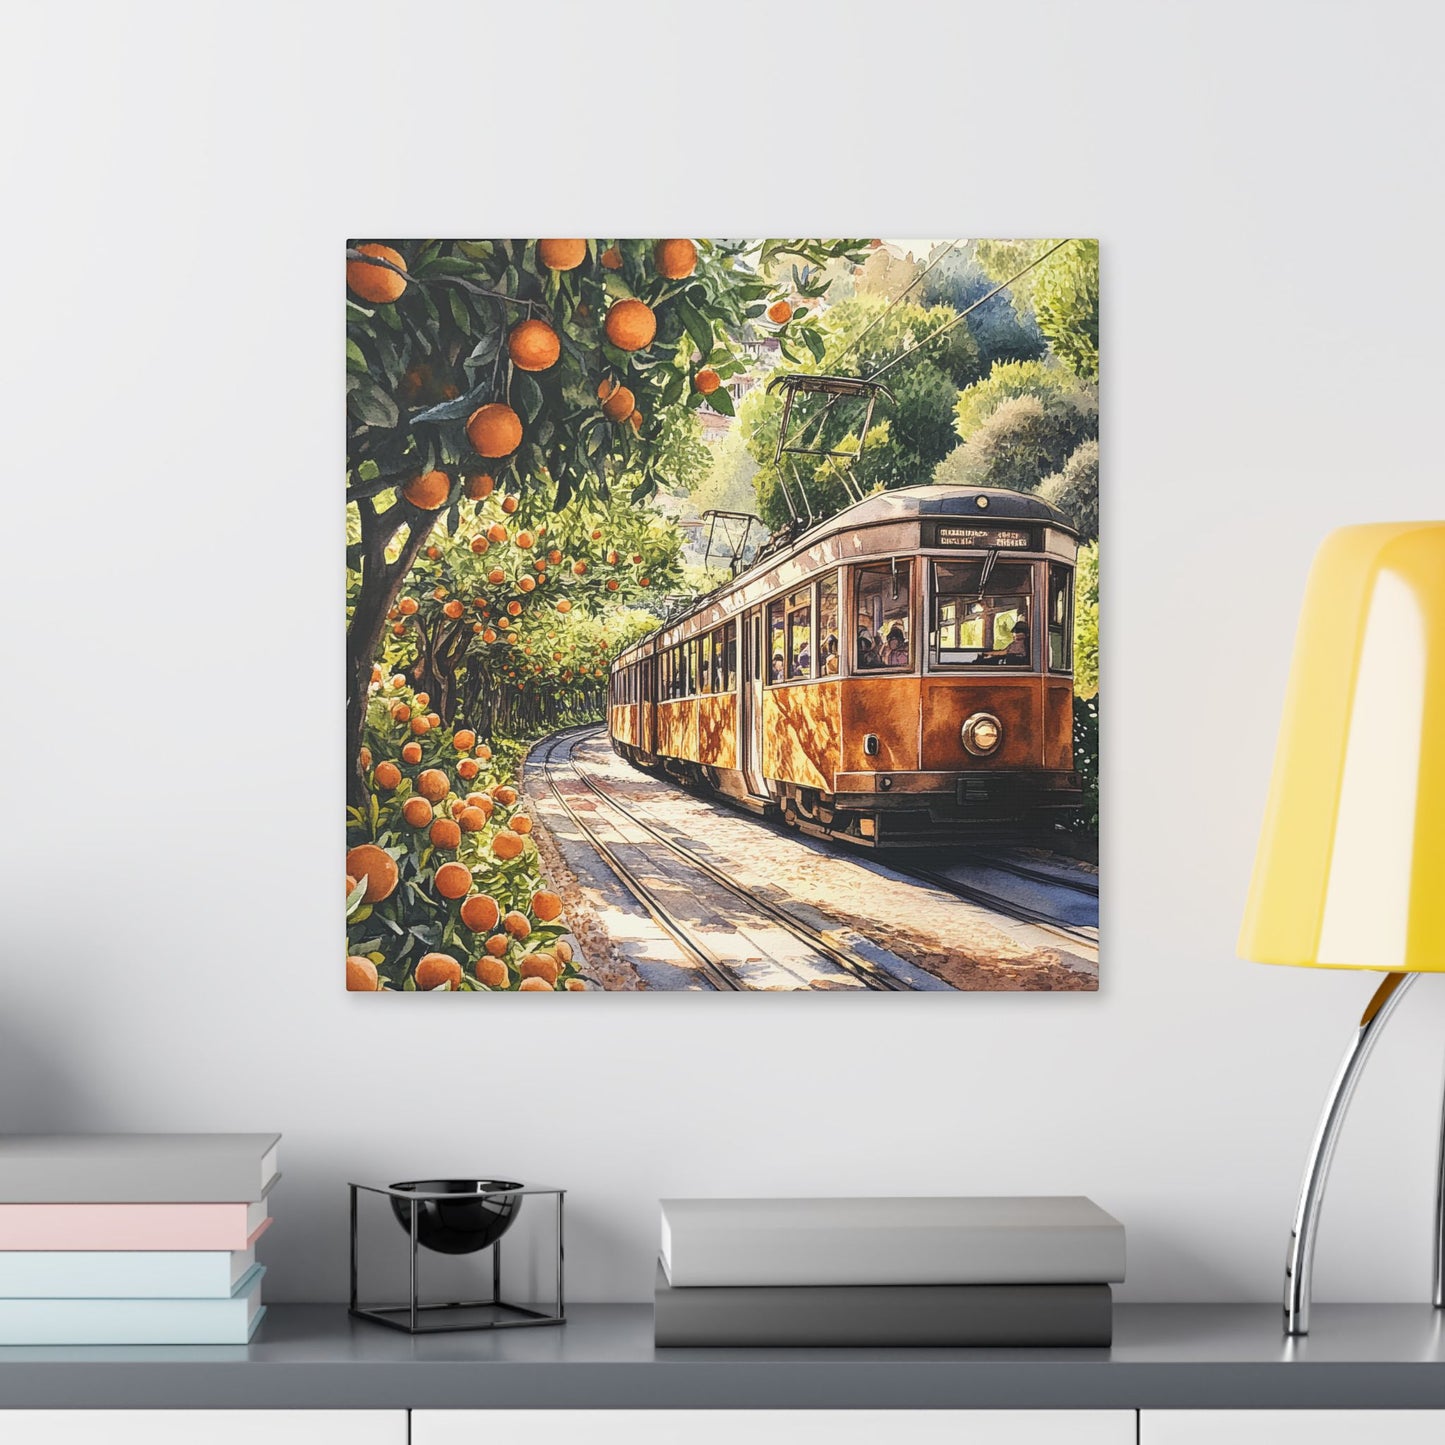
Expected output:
(900, 674)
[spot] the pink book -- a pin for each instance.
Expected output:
(132, 1226)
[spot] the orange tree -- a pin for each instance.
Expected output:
(540, 368)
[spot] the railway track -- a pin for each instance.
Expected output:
(706, 960)
(1087, 884)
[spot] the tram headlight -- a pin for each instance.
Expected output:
(981, 734)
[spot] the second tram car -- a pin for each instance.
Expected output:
(901, 674)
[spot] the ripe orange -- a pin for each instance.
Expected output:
(468, 769)
(489, 636)
(780, 312)
(433, 785)
(707, 381)
(497, 945)
(420, 725)
(630, 325)
(422, 698)
(674, 259)
(564, 605)
(636, 420)
(407, 606)
(554, 556)
(377, 867)
(428, 491)
(612, 584)
(533, 346)
(445, 833)
(497, 532)
(453, 609)
(496, 575)
(563, 950)
(562, 255)
(578, 568)
(507, 845)
(398, 629)
(504, 623)
(473, 820)
(575, 985)
(644, 582)
(514, 608)
(509, 505)
(540, 565)
(376, 674)
(375, 283)
(435, 969)
(479, 486)
(364, 757)
(387, 776)
(490, 971)
(401, 712)
(521, 823)
(540, 965)
(525, 584)
(361, 976)
(483, 751)
(454, 880)
(504, 794)
(517, 924)
(619, 405)
(411, 753)
(417, 812)
(534, 985)
(611, 258)
(480, 545)
(546, 906)
(433, 720)
(613, 558)
(457, 808)
(433, 552)
(464, 739)
(524, 540)
(494, 430)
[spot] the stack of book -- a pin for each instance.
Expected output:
(887, 1272)
(132, 1239)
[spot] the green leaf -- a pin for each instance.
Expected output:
(370, 404)
(721, 401)
(459, 313)
(697, 327)
(355, 361)
(526, 396)
(814, 343)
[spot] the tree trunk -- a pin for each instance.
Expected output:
(379, 585)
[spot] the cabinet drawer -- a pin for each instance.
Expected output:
(203, 1427)
(773, 1427)
(1291, 1427)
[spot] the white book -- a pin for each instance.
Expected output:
(122, 1274)
(230, 1321)
(1043, 1239)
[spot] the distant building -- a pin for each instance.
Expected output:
(762, 353)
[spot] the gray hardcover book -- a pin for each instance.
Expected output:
(1046, 1239)
(883, 1316)
(136, 1168)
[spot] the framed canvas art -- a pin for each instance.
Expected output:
(722, 615)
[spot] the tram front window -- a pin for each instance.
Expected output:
(981, 614)
(883, 635)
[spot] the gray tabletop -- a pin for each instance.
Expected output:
(1164, 1357)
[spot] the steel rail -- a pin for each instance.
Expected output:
(861, 968)
(708, 963)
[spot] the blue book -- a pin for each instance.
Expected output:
(122, 1274)
(228, 1321)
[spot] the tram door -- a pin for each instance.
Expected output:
(752, 703)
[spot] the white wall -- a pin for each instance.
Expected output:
(1265, 181)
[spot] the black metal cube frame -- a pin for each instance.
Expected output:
(415, 1318)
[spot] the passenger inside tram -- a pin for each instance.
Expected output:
(884, 601)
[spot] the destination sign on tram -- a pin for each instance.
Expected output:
(982, 537)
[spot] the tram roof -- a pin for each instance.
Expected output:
(931, 499)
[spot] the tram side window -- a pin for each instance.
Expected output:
(704, 671)
(725, 657)
(1061, 617)
(667, 670)
(828, 625)
(777, 667)
(799, 650)
(882, 600)
(981, 614)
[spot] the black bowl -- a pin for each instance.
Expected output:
(461, 1225)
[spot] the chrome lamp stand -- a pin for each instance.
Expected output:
(1299, 1267)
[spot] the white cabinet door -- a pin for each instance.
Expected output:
(203, 1427)
(1291, 1427)
(773, 1427)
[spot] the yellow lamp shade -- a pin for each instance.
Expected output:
(1350, 871)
